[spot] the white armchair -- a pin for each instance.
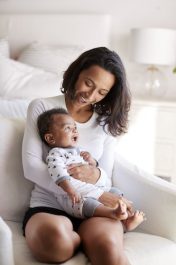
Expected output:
(153, 244)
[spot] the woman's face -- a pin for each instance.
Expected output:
(93, 85)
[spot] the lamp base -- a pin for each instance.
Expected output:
(153, 82)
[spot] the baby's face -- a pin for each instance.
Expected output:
(64, 131)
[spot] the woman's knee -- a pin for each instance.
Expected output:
(103, 243)
(106, 250)
(108, 244)
(52, 243)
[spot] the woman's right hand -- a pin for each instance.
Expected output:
(83, 172)
(112, 200)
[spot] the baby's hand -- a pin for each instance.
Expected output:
(88, 158)
(74, 196)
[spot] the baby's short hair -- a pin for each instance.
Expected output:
(45, 121)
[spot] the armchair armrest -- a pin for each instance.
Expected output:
(6, 248)
(149, 193)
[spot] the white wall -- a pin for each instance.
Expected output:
(125, 14)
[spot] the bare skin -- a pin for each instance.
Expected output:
(118, 213)
(133, 221)
(52, 239)
(108, 235)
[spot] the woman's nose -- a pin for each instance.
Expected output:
(91, 96)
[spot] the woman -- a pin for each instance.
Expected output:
(96, 96)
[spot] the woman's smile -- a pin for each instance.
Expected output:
(93, 85)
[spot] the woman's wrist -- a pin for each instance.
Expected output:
(94, 177)
(97, 174)
(109, 199)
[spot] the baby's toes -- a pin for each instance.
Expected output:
(144, 216)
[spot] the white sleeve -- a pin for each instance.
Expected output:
(57, 166)
(35, 169)
(106, 162)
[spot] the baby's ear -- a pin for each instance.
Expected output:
(49, 138)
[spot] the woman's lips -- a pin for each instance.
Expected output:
(82, 99)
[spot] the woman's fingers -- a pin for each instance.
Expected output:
(74, 165)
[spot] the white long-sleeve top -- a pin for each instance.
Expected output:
(91, 138)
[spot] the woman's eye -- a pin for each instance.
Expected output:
(102, 93)
(88, 83)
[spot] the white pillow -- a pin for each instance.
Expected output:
(14, 108)
(18, 80)
(50, 57)
(4, 47)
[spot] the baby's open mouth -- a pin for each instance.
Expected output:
(74, 138)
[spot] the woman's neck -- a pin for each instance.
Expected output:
(79, 114)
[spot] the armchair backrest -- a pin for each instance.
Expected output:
(14, 188)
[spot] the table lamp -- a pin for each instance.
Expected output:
(153, 47)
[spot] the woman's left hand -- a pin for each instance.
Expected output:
(86, 173)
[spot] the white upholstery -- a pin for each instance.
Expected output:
(157, 246)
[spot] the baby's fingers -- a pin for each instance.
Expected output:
(78, 198)
(75, 198)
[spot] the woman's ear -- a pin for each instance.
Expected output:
(49, 138)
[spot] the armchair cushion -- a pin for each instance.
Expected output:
(141, 249)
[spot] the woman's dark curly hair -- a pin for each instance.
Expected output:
(113, 109)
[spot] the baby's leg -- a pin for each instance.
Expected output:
(119, 213)
(116, 191)
(133, 221)
(73, 209)
(92, 207)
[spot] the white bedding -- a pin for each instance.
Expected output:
(14, 108)
(51, 58)
(18, 80)
(21, 82)
(43, 54)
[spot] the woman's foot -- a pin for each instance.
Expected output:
(120, 213)
(135, 220)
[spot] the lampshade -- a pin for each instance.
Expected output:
(154, 46)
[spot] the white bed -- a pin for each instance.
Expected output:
(36, 49)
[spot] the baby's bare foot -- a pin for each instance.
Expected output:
(120, 213)
(135, 220)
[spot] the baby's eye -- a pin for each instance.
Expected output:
(67, 129)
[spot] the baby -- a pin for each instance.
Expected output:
(58, 130)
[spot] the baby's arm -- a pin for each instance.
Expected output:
(88, 158)
(69, 189)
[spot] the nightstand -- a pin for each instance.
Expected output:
(151, 139)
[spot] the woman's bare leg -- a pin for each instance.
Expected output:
(51, 238)
(102, 240)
